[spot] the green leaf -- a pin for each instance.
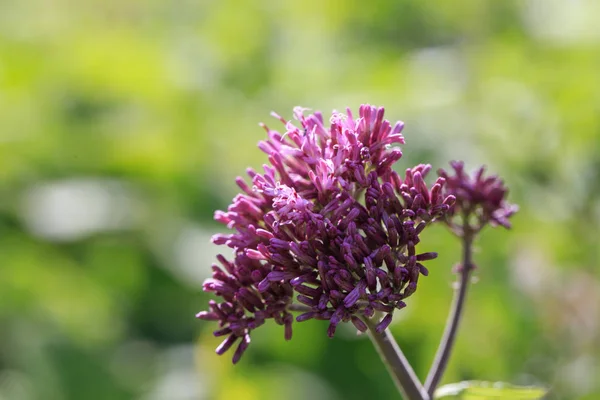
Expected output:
(479, 390)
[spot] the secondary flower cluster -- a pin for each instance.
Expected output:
(328, 225)
(479, 199)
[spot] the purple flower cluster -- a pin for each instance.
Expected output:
(479, 199)
(328, 226)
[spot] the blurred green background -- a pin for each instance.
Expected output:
(124, 123)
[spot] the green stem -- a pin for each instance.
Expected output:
(449, 338)
(396, 363)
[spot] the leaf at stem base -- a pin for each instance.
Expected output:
(480, 390)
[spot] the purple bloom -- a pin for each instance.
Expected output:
(329, 223)
(479, 199)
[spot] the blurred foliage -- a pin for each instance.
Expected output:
(124, 123)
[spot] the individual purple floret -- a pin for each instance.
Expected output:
(328, 224)
(479, 199)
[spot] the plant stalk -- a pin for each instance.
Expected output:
(404, 377)
(444, 350)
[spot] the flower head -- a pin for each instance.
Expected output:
(479, 199)
(328, 224)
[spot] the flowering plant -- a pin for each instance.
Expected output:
(330, 230)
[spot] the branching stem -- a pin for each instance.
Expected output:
(448, 339)
(396, 363)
